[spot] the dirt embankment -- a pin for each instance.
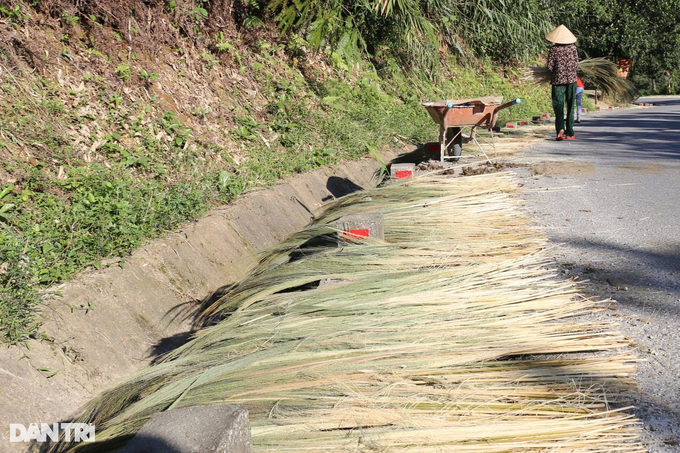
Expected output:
(132, 49)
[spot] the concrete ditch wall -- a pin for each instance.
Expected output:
(107, 324)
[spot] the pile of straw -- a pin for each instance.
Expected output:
(452, 334)
(597, 73)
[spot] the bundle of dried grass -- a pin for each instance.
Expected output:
(595, 72)
(442, 337)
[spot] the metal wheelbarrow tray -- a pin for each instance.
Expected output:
(452, 116)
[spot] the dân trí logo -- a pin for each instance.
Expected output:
(76, 432)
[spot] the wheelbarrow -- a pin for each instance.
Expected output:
(454, 116)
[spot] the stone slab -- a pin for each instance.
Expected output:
(197, 429)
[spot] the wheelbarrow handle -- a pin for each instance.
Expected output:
(515, 101)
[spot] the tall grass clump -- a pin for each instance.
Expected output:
(451, 333)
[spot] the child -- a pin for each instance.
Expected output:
(580, 88)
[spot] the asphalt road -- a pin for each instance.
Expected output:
(610, 202)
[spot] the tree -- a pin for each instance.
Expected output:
(414, 31)
(646, 33)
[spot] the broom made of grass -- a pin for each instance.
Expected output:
(595, 72)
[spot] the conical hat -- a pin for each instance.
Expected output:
(561, 35)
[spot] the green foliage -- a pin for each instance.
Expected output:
(108, 214)
(189, 17)
(14, 13)
(197, 13)
(508, 32)
(414, 30)
(19, 297)
(383, 166)
(643, 32)
(68, 19)
(99, 54)
(252, 21)
(5, 203)
(174, 128)
(147, 76)
(209, 59)
(247, 128)
(230, 184)
(55, 223)
(220, 43)
(104, 216)
(201, 112)
(124, 72)
(323, 156)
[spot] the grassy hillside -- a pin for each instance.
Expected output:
(121, 120)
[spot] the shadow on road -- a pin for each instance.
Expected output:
(627, 271)
(611, 138)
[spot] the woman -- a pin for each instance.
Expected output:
(563, 63)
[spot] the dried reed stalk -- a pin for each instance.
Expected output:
(595, 72)
(451, 335)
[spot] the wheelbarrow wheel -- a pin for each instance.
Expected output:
(455, 149)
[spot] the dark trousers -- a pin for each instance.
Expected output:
(561, 95)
